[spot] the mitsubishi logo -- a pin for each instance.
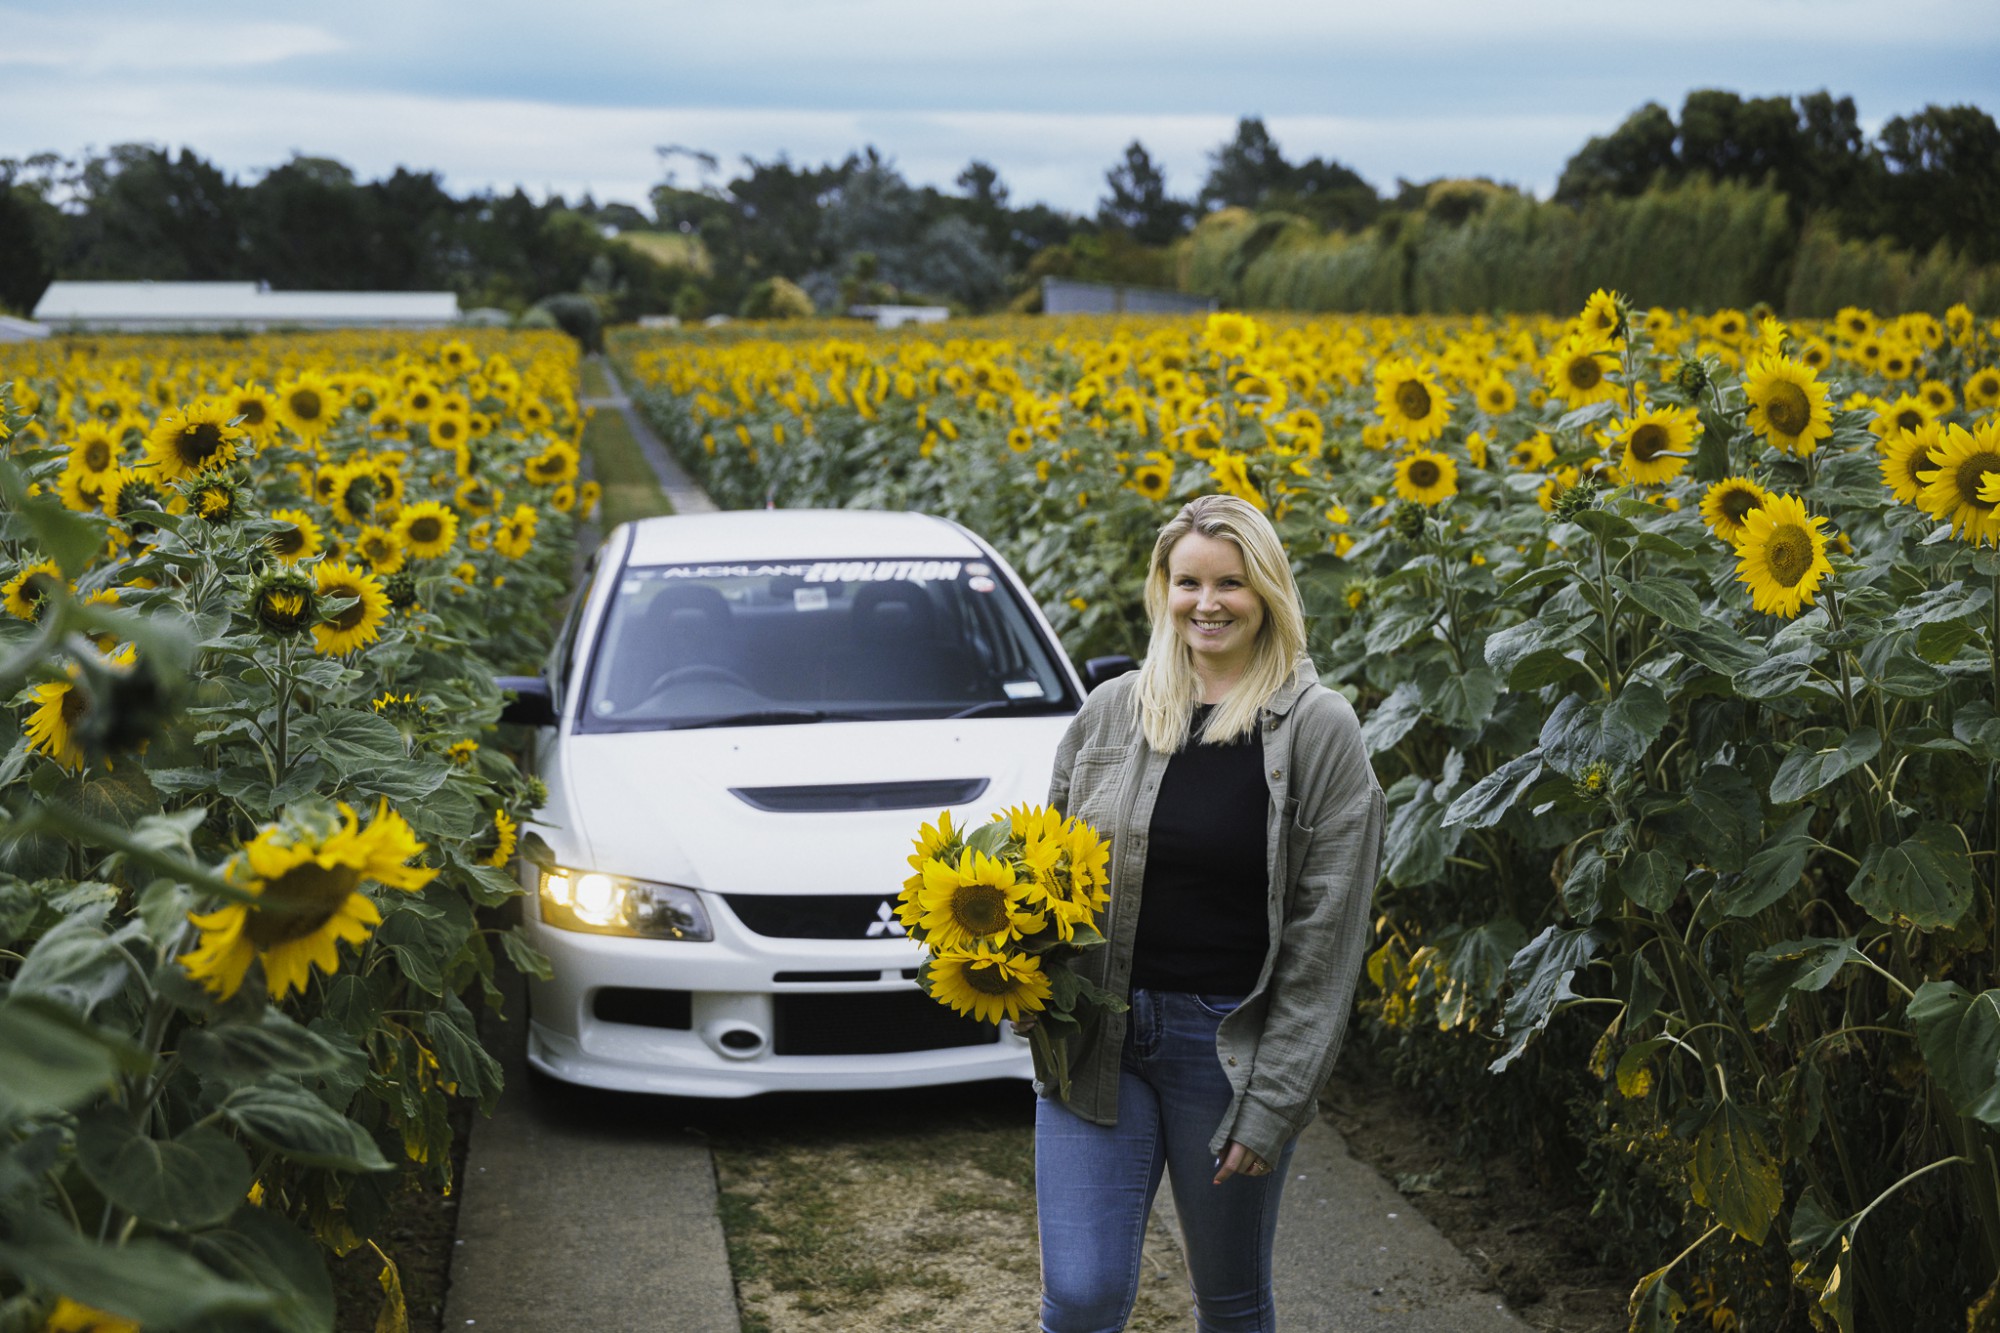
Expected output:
(885, 923)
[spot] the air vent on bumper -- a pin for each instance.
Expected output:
(837, 797)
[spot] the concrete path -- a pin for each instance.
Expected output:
(584, 1210)
(1353, 1255)
(682, 493)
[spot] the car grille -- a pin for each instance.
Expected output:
(870, 1023)
(812, 916)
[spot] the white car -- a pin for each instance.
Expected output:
(744, 722)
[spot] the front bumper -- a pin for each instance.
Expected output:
(720, 1027)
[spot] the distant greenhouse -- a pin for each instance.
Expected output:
(142, 307)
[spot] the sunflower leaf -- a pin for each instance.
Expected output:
(1926, 880)
(1733, 1174)
(1806, 769)
(1771, 975)
(196, 1179)
(285, 1117)
(1959, 1033)
(1539, 976)
(1669, 599)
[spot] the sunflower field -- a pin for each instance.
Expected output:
(1676, 640)
(256, 593)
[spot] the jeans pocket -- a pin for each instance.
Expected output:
(1216, 1006)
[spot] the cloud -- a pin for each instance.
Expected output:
(73, 44)
(480, 143)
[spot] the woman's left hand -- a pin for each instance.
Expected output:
(1239, 1160)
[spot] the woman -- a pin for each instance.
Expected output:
(1244, 822)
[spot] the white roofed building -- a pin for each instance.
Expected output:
(145, 307)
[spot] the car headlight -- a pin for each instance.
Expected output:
(599, 904)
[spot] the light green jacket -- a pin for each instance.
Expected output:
(1324, 835)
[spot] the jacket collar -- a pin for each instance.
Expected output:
(1304, 677)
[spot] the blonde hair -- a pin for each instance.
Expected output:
(1168, 686)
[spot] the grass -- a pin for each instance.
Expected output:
(631, 490)
(596, 384)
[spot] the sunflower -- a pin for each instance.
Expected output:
(213, 501)
(1982, 389)
(1153, 480)
(587, 496)
(1855, 322)
(1657, 443)
(71, 1316)
(427, 530)
(563, 498)
(1781, 556)
(304, 875)
(1534, 453)
(420, 400)
(1408, 400)
(361, 622)
(513, 538)
(1228, 334)
(1906, 455)
(457, 357)
(354, 492)
(1907, 413)
(557, 464)
(1937, 396)
(504, 838)
(1579, 372)
(82, 492)
(94, 450)
(389, 423)
(987, 986)
(379, 549)
(1816, 354)
(1898, 362)
(284, 604)
(1604, 316)
(189, 442)
(308, 404)
(1728, 502)
(298, 540)
(978, 900)
(24, 593)
(1962, 461)
(1426, 477)
(1495, 395)
(534, 414)
(51, 726)
(1788, 404)
(448, 430)
(59, 706)
(252, 407)
(460, 753)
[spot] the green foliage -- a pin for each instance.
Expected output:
(185, 1155)
(1712, 890)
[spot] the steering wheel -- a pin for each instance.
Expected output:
(698, 671)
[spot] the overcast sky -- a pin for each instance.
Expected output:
(576, 97)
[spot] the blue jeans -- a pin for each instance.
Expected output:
(1094, 1186)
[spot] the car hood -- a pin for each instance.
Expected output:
(657, 805)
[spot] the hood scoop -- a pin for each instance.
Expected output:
(836, 797)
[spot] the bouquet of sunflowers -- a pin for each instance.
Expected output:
(1003, 910)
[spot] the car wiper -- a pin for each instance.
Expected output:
(761, 717)
(1005, 706)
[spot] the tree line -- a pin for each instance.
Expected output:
(838, 233)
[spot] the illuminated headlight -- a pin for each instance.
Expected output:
(614, 905)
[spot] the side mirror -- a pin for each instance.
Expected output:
(532, 705)
(1100, 669)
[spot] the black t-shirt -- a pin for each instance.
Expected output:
(1202, 905)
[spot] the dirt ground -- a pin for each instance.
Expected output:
(906, 1211)
(1531, 1244)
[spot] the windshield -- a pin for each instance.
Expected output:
(817, 640)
